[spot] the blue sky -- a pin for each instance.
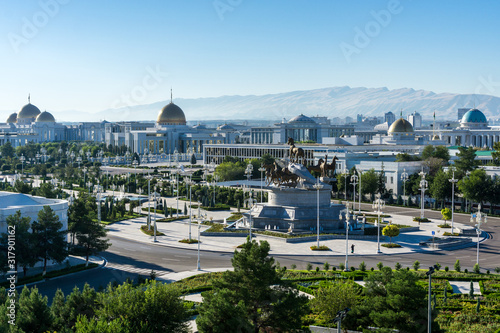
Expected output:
(97, 54)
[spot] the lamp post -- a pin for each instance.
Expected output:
(215, 179)
(128, 182)
(354, 181)
(359, 207)
(479, 218)
(338, 318)
(79, 160)
(98, 189)
(378, 205)
(189, 183)
(345, 173)
(149, 200)
(453, 181)
(424, 185)
(199, 227)
(84, 173)
(89, 185)
(22, 159)
(347, 222)
(467, 174)
(154, 234)
(429, 296)
(261, 169)
(249, 171)
(318, 186)
(404, 178)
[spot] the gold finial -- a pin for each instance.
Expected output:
(29, 98)
(171, 98)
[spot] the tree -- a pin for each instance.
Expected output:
(46, 190)
(405, 157)
(390, 231)
(329, 300)
(446, 213)
(24, 241)
(252, 297)
(381, 181)
(440, 187)
(22, 187)
(156, 307)
(91, 238)
(496, 153)
(394, 299)
(34, 314)
(466, 161)
(369, 182)
(7, 150)
(50, 242)
(477, 187)
(193, 159)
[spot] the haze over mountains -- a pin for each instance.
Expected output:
(330, 102)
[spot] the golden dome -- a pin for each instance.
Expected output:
(28, 111)
(400, 126)
(171, 114)
(45, 117)
(12, 119)
(435, 137)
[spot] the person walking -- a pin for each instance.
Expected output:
(352, 248)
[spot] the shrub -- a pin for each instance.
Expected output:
(416, 265)
(457, 265)
(372, 269)
(380, 265)
(334, 268)
(294, 266)
(362, 266)
(390, 245)
(437, 266)
(309, 266)
(353, 268)
(320, 248)
(466, 271)
(446, 268)
(317, 269)
(326, 266)
(397, 266)
(497, 270)
(476, 269)
(341, 266)
(488, 272)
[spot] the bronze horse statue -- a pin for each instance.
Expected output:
(295, 152)
(325, 167)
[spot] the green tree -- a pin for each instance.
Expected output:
(24, 241)
(440, 187)
(381, 181)
(405, 157)
(329, 300)
(446, 214)
(50, 242)
(57, 309)
(34, 314)
(466, 161)
(477, 187)
(390, 231)
(156, 307)
(92, 325)
(193, 159)
(77, 303)
(91, 238)
(22, 187)
(259, 299)
(46, 190)
(369, 182)
(394, 300)
(496, 153)
(7, 150)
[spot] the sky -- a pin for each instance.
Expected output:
(94, 55)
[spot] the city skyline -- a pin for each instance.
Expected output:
(95, 56)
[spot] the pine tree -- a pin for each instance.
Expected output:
(34, 314)
(50, 241)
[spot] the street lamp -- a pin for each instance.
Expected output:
(261, 169)
(453, 181)
(359, 208)
(190, 183)
(79, 160)
(154, 235)
(200, 219)
(345, 174)
(354, 181)
(249, 171)
(338, 318)
(22, 159)
(215, 179)
(347, 222)
(479, 218)
(404, 178)
(424, 185)
(378, 205)
(429, 273)
(98, 190)
(317, 187)
(149, 200)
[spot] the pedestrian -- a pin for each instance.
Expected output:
(352, 248)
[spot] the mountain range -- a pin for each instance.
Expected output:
(329, 102)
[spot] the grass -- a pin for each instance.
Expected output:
(144, 229)
(124, 217)
(171, 219)
(444, 225)
(320, 248)
(234, 217)
(390, 245)
(450, 234)
(187, 241)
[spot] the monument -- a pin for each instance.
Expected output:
(293, 198)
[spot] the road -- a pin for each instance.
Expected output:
(127, 258)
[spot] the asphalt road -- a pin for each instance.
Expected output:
(127, 258)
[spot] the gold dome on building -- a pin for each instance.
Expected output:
(28, 111)
(171, 114)
(12, 119)
(400, 126)
(45, 117)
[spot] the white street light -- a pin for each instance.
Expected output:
(22, 159)
(149, 200)
(154, 234)
(318, 186)
(261, 169)
(453, 181)
(347, 223)
(359, 208)
(404, 178)
(378, 205)
(424, 185)
(190, 183)
(354, 181)
(345, 174)
(249, 171)
(479, 218)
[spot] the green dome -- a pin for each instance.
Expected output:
(474, 116)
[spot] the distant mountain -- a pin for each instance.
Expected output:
(329, 102)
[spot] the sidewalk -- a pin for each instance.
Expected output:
(177, 230)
